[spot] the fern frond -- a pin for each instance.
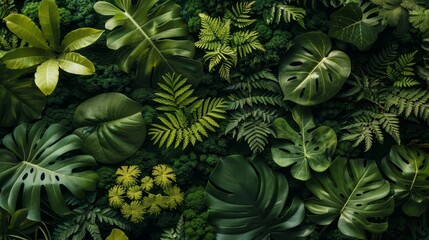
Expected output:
(237, 100)
(239, 14)
(362, 87)
(377, 64)
(419, 18)
(94, 231)
(262, 80)
(223, 54)
(286, 12)
(256, 134)
(400, 71)
(175, 234)
(405, 82)
(244, 42)
(409, 101)
(214, 32)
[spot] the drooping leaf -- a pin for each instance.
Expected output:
(248, 200)
(46, 77)
(308, 148)
(35, 162)
(154, 38)
(111, 126)
(49, 18)
(75, 63)
(310, 73)
(355, 193)
(351, 25)
(21, 100)
(20, 58)
(80, 38)
(408, 169)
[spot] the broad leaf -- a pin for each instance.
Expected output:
(248, 200)
(154, 39)
(49, 18)
(20, 58)
(80, 38)
(46, 77)
(39, 162)
(26, 29)
(111, 126)
(308, 148)
(355, 193)
(351, 25)
(21, 100)
(75, 63)
(408, 169)
(310, 73)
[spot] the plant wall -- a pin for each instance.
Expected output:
(214, 119)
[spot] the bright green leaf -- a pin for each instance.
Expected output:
(80, 38)
(46, 76)
(49, 18)
(26, 29)
(75, 63)
(20, 58)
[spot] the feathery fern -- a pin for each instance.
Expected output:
(86, 218)
(187, 119)
(423, 71)
(289, 13)
(175, 234)
(377, 64)
(252, 102)
(419, 18)
(239, 14)
(314, 3)
(401, 71)
(409, 101)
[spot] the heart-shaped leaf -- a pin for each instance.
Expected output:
(21, 100)
(355, 193)
(308, 148)
(310, 73)
(408, 169)
(38, 162)
(248, 200)
(111, 126)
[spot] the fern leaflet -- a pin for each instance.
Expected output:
(377, 64)
(289, 14)
(401, 71)
(239, 14)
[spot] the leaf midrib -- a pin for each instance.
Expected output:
(355, 188)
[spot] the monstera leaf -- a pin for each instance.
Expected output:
(40, 162)
(352, 25)
(248, 200)
(154, 39)
(111, 126)
(353, 191)
(408, 169)
(310, 73)
(308, 148)
(21, 100)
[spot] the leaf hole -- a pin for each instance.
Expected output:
(42, 177)
(25, 176)
(294, 64)
(308, 50)
(31, 170)
(316, 148)
(342, 195)
(301, 94)
(292, 78)
(359, 205)
(358, 194)
(317, 85)
(330, 77)
(57, 178)
(51, 163)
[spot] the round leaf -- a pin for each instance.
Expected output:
(111, 126)
(38, 162)
(310, 73)
(248, 200)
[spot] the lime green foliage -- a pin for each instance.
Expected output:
(356, 25)
(21, 100)
(111, 126)
(153, 37)
(138, 195)
(288, 12)
(223, 47)
(252, 104)
(117, 234)
(408, 169)
(177, 233)
(46, 51)
(253, 202)
(86, 219)
(195, 214)
(310, 147)
(37, 158)
(187, 118)
(354, 192)
(311, 73)
(7, 39)
(17, 226)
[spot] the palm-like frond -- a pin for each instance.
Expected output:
(409, 101)
(401, 72)
(244, 42)
(239, 14)
(286, 12)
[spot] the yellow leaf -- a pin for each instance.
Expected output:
(46, 76)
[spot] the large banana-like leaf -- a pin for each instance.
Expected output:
(248, 200)
(154, 39)
(351, 25)
(408, 169)
(21, 58)
(310, 73)
(49, 18)
(111, 126)
(21, 100)
(39, 162)
(355, 193)
(308, 148)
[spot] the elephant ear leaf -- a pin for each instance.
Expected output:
(39, 162)
(408, 169)
(252, 203)
(153, 36)
(111, 126)
(21, 99)
(355, 193)
(306, 148)
(311, 73)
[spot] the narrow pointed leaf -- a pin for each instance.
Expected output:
(49, 19)
(76, 64)
(80, 38)
(46, 76)
(20, 58)
(26, 29)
